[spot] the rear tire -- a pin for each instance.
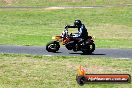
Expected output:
(52, 46)
(90, 50)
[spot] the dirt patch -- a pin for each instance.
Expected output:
(54, 8)
(65, 0)
(8, 1)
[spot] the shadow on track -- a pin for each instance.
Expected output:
(57, 52)
(87, 54)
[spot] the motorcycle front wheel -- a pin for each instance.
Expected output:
(53, 46)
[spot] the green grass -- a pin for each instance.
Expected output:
(25, 71)
(110, 26)
(62, 2)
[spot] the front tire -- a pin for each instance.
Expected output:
(53, 46)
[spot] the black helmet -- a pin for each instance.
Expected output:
(77, 23)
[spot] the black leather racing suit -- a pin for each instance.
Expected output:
(82, 31)
(82, 35)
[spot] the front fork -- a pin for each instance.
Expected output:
(58, 44)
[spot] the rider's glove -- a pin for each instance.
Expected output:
(66, 26)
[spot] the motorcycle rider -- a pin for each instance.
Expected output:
(82, 31)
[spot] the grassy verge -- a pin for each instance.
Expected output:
(62, 2)
(110, 26)
(58, 71)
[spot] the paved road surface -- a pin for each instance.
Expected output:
(40, 50)
(66, 7)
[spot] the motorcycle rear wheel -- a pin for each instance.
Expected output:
(90, 50)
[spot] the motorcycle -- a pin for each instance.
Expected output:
(71, 42)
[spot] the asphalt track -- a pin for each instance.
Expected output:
(40, 50)
(65, 7)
